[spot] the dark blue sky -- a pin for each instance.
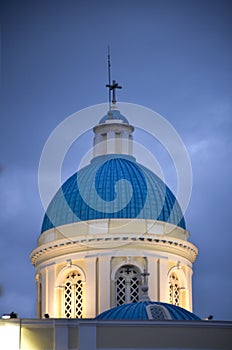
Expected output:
(173, 56)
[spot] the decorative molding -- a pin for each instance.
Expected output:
(95, 242)
(65, 271)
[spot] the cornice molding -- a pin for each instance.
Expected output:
(149, 242)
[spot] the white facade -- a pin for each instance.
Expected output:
(95, 259)
(61, 334)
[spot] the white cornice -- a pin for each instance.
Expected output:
(92, 243)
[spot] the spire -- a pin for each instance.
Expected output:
(114, 85)
(113, 133)
(144, 286)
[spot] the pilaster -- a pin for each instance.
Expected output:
(163, 279)
(38, 296)
(90, 303)
(103, 283)
(152, 269)
(189, 273)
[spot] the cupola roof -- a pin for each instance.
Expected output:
(113, 186)
(112, 115)
(147, 310)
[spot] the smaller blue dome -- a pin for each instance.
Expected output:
(113, 115)
(147, 310)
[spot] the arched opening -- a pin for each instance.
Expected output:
(73, 295)
(174, 289)
(127, 281)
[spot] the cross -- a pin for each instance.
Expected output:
(128, 270)
(144, 286)
(145, 275)
(113, 87)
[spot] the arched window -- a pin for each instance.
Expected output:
(174, 289)
(73, 295)
(127, 284)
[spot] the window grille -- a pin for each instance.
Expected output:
(157, 312)
(73, 296)
(174, 290)
(127, 285)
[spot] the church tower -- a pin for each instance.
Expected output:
(108, 223)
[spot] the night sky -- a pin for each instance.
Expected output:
(172, 56)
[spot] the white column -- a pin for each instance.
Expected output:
(103, 283)
(163, 280)
(38, 296)
(90, 300)
(98, 145)
(189, 301)
(153, 284)
(59, 302)
(43, 292)
(125, 142)
(110, 142)
(50, 291)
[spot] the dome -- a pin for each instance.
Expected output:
(113, 114)
(113, 186)
(147, 310)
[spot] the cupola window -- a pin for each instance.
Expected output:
(127, 285)
(174, 290)
(157, 312)
(73, 296)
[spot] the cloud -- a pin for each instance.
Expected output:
(200, 146)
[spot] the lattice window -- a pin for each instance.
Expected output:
(157, 312)
(127, 285)
(68, 300)
(174, 290)
(73, 296)
(79, 298)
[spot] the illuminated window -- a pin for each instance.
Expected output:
(174, 290)
(73, 296)
(127, 285)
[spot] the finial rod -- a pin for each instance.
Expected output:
(114, 85)
(109, 76)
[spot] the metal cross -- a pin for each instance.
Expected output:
(113, 87)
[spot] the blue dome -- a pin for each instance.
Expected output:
(113, 186)
(147, 310)
(114, 114)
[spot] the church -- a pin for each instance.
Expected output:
(107, 224)
(114, 260)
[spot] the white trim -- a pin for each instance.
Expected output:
(126, 261)
(61, 275)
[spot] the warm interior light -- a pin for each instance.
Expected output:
(9, 335)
